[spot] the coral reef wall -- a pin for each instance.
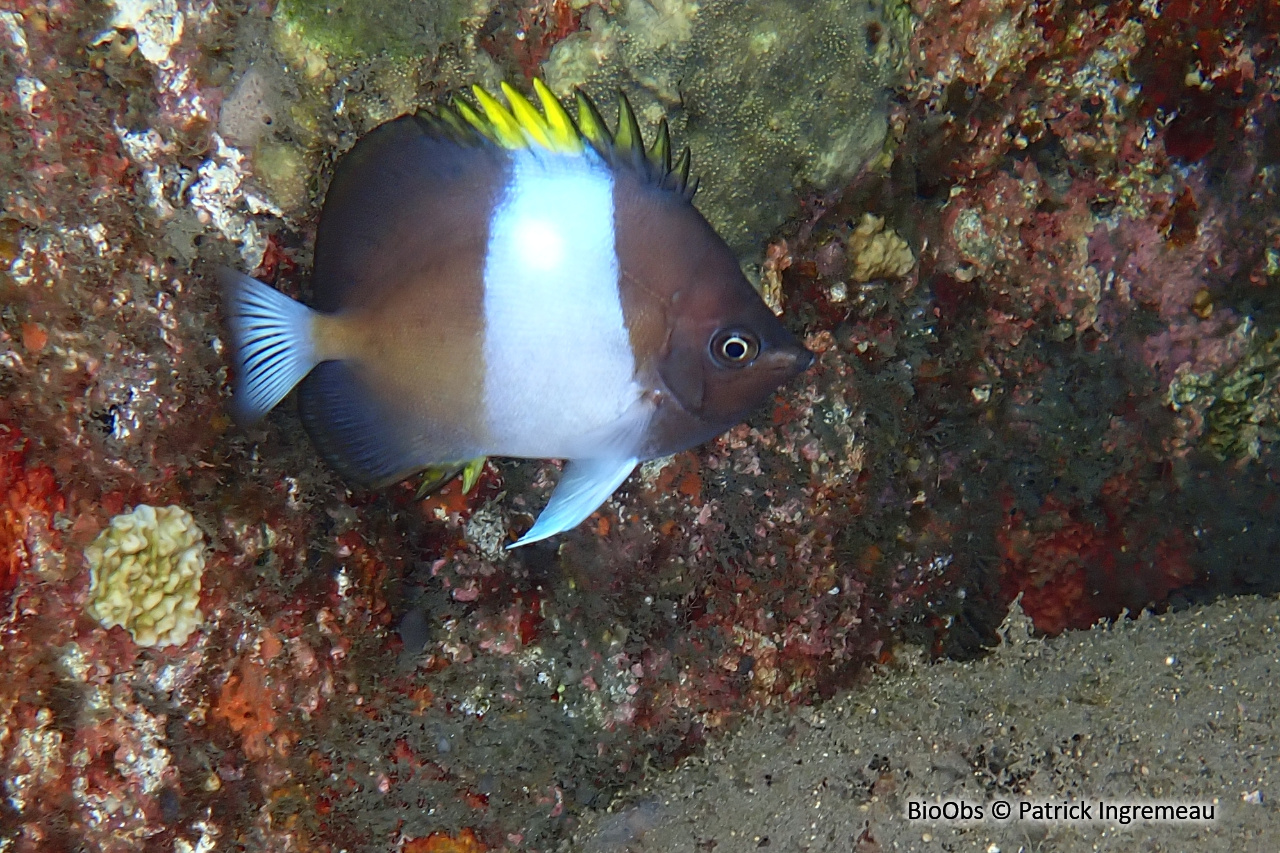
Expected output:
(1040, 276)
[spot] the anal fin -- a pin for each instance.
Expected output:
(584, 485)
(359, 435)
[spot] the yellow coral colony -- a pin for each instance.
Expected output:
(878, 252)
(145, 574)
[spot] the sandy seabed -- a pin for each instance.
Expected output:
(1176, 708)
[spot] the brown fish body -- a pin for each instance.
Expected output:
(474, 299)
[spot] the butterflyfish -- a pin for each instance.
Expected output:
(505, 280)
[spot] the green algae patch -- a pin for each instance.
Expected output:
(1244, 414)
(1237, 408)
(352, 31)
(774, 98)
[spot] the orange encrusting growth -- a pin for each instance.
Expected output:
(439, 842)
(246, 704)
(29, 497)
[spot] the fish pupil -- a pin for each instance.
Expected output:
(734, 349)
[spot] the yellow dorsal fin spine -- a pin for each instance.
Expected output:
(591, 124)
(660, 151)
(472, 118)
(627, 137)
(563, 133)
(522, 123)
(454, 122)
(504, 126)
(529, 119)
(681, 169)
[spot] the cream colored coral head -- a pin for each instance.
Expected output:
(145, 574)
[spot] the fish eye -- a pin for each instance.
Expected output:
(734, 348)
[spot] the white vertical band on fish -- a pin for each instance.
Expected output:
(554, 328)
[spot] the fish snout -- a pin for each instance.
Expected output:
(787, 360)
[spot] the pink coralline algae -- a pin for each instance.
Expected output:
(1106, 186)
(1072, 396)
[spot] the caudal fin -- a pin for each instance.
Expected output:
(271, 339)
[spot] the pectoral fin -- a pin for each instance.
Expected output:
(585, 484)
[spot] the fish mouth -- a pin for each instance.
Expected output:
(790, 361)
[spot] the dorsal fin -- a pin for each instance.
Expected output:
(521, 124)
(627, 136)
(591, 124)
(660, 151)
